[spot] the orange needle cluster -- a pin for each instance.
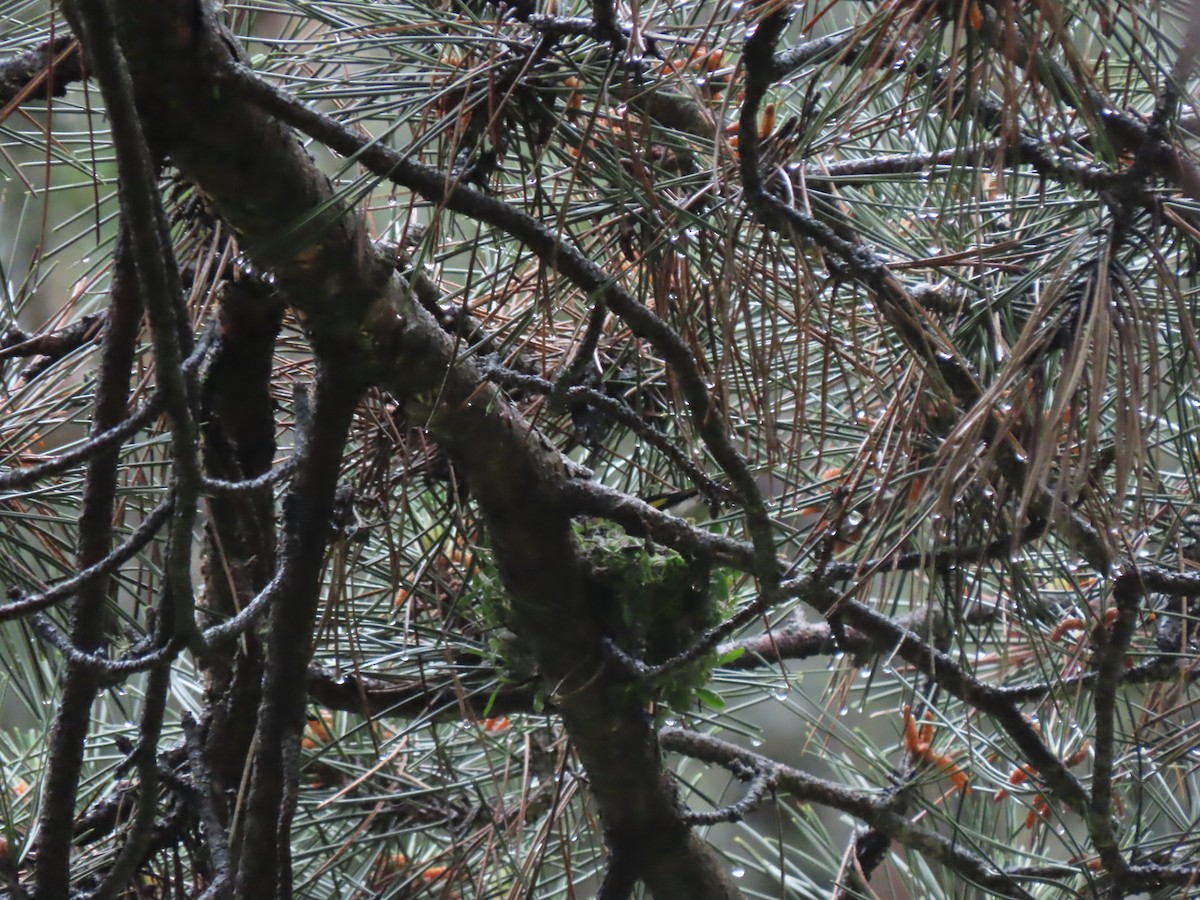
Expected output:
(1074, 623)
(1041, 807)
(700, 59)
(975, 16)
(392, 865)
(918, 741)
(317, 730)
(767, 123)
(1077, 623)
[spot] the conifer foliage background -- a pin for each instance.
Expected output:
(349, 348)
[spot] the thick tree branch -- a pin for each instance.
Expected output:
(266, 832)
(43, 72)
(90, 617)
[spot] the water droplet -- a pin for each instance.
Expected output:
(757, 742)
(781, 695)
(738, 872)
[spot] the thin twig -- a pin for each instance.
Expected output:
(1127, 593)
(158, 278)
(137, 839)
(867, 807)
(18, 479)
(212, 485)
(111, 671)
(141, 536)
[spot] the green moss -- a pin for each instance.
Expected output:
(655, 604)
